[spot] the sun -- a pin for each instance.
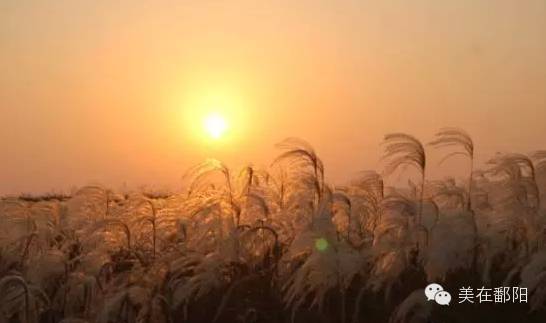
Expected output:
(215, 125)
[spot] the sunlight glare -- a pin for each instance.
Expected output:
(215, 125)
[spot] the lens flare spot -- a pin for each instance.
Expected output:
(321, 244)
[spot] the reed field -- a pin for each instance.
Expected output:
(283, 245)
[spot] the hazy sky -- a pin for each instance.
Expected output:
(114, 91)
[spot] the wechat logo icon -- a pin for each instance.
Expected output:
(435, 292)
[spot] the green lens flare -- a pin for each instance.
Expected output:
(321, 244)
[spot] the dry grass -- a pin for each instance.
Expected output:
(281, 244)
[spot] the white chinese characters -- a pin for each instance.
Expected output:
(469, 295)
(497, 295)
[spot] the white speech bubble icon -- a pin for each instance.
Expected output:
(431, 290)
(442, 298)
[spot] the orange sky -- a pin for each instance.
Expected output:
(111, 91)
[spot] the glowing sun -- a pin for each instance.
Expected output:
(215, 125)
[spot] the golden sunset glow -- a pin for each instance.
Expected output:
(158, 87)
(212, 116)
(328, 159)
(215, 125)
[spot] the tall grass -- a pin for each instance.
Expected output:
(280, 244)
